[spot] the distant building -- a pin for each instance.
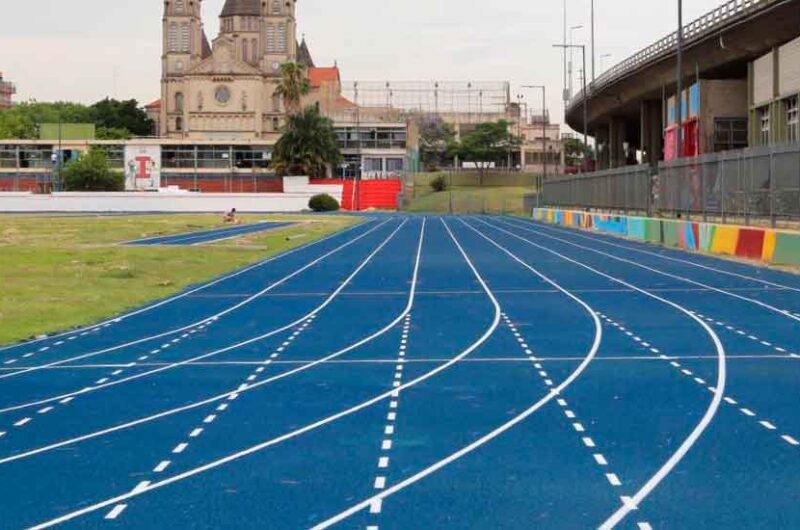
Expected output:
(7, 91)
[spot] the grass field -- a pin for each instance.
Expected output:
(61, 272)
(471, 199)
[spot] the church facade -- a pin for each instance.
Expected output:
(225, 89)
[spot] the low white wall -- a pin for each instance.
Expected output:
(155, 202)
(302, 185)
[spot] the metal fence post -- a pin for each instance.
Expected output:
(772, 189)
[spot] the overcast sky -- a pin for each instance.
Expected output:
(84, 50)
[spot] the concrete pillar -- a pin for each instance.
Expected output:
(601, 147)
(652, 132)
(616, 136)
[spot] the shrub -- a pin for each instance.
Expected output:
(323, 203)
(91, 173)
(439, 184)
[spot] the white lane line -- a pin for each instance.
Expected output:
(788, 439)
(23, 421)
(180, 330)
(600, 459)
(730, 401)
(44, 410)
(712, 409)
(767, 425)
(195, 433)
(210, 418)
(181, 447)
(380, 483)
(613, 479)
(310, 427)
(116, 511)
(383, 462)
(645, 526)
(588, 442)
(747, 412)
(163, 465)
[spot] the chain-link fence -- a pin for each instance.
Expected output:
(750, 184)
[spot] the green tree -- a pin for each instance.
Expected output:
(114, 120)
(307, 146)
(437, 142)
(90, 172)
(487, 144)
(112, 114)
(292, 86)
(574, 152)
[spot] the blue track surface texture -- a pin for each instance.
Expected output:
(208, 236)
(422, 373)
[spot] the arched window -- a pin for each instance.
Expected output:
(245, 51)
(179, 102)
(254, 49)
(179, 124)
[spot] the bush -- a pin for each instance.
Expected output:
(439, 184)
(90, 172)
(323, 203)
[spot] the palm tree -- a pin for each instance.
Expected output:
(293, 86)
(308, 145)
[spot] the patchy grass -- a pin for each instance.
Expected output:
(472, 200)
(62, 272)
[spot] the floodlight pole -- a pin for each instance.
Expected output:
(586, 98)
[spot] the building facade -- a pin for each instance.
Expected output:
(225, 90)
(7, 91)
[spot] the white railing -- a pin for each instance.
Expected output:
(699, 29)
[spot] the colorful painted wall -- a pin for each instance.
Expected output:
(770, 246)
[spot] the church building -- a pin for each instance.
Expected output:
(225, 90)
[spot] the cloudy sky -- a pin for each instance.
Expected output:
(84, 50)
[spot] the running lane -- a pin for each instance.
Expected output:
(209, 236)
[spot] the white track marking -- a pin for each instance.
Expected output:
(117, 319)
(233, 395)
(707, 418)
(657, 271)
(552, 395)
(670, 258)
(330, 419)
(207, 319)
(274, 332)
(114, 513)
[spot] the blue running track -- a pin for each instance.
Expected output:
(422, 373)
(208, 236)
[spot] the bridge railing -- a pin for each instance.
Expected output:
(706, 25)
(744, 185)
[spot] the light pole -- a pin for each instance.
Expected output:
(586, 98)
(679, 95)
(572, 31)
(544, 126)
(593, 53)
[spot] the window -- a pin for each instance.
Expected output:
(180, 6)
(282, 41)
(730, 134)
(184, 45)
(764, 125)
(276, 7)
(276, 103)
(179, 102)
(172, 38)
(792, 124)
(276, 124)
(271, 48)
(178, 124)
(245, 51)
(254, 49)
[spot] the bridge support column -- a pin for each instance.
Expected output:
(616, 144)
(652, 132)
(601, 148)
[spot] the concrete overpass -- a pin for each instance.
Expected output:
(627, 103)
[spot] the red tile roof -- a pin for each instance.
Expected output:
(318, 76)
(154, 105)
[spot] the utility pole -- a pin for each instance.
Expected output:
(593, 52)
(679, 95)
(566, 94)
(586, 100)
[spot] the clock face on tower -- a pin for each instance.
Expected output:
(222, 95)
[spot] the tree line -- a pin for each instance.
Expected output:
(113, 119)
